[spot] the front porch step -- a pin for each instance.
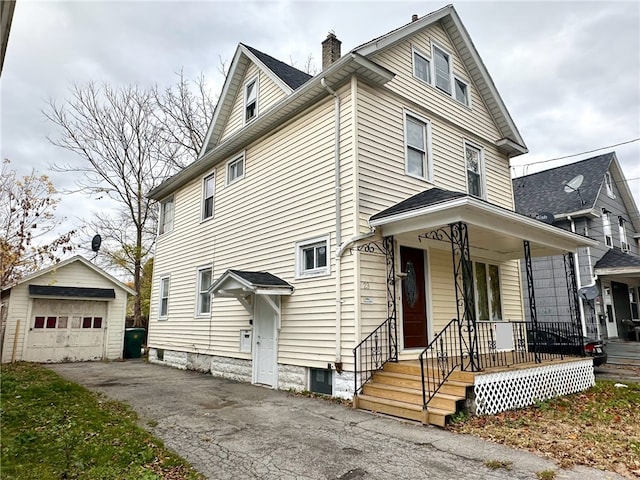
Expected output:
(451, 387)
(411, 395)
(433, 416)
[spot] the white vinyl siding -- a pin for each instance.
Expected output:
(235, 169)
(167, 209)
(163, 307)
(208, 196)
(203, 297)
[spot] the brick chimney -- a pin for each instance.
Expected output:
(414, 17)
(330, 50)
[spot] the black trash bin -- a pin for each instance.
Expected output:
(133, 338)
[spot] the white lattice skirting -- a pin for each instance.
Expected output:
(497, 392)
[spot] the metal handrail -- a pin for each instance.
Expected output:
(369, 356)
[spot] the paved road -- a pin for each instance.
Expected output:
(230, 430)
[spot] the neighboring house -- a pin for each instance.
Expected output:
(71, 311)
(591, 197)
(323, 210)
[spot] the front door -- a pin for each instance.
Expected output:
(265, 359)
(414, 305)
(621, 306)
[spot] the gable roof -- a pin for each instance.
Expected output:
(511, 140)
(238, 283)
(545, 191)
(293, 77)
(68, 261)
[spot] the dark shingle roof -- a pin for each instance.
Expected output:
(615, 258)
(544, 191)
(288, 74)
(423, 199)
(75, 292)
(261, 279)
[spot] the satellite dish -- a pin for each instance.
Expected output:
(589, 292)
(574, 184)
(546, 217)
(96, 241)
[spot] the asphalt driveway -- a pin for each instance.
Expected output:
(230, 430)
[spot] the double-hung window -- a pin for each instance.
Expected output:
(421, 67)
(488, 297)
(417, 146)
(606, 228)
(163, 308)
(250, 100)
(203, 300)
(624, 245)
(208, 193)
(235, 169)
(312, 257)
(166, 215)
(462, 91)
(475, 177)
(442, 69)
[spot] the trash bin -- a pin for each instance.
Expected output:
(133, 338)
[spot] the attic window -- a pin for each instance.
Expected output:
(421, 67)
(442, 68)
(251, 100)
(462, 92)
(609, 185)
(606, 228)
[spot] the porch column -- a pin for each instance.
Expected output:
(532, 299)
(572, 291)
(465, 297)
(389, 251)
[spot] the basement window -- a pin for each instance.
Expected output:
(321, 380)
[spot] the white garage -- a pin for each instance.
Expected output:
(72, 311)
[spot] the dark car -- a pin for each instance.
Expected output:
(567, 344)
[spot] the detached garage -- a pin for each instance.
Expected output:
(72, 311)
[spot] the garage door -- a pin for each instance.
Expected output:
(66, 330)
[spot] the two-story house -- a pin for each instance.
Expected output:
(336, 223)
(591, 197)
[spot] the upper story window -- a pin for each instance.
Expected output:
(417, 147)
(624, 245)
(167, 209)
(235, 169)
(488, 297)
(203, 300)
(312, 257)
(609, 185)
(421, 67)
(606, 228)
(462, 91)
(442, 69)
(475, 170)
(208, 194)
(250, 100)
(163, 308)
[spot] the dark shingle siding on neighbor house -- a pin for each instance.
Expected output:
(288, 74)
(72, 292)
(544, 191)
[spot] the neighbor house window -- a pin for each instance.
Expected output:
(488, 297)
(624, 246)
(312, 257)
(163, 308)
(204, 297)
(462, 91)
(251, 100)
(609, 185)
(606, 228)
(417, 147)
(208, 193)
(442, 69)
(421, 67)
(167, 210)
(475, 177)
(235, 169)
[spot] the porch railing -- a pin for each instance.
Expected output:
(500, 344)
(370, 355)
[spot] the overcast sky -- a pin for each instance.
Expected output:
(569, 72)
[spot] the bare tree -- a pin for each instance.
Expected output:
(28, 224)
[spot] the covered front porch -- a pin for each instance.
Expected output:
(484, 243)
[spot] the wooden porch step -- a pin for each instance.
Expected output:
(413, 368)
(411, 395)
(433, 416)
(450, 387)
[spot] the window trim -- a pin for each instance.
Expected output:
(414, 52)
(428, 155)
(456, 78)
(256, 79)
(161, 217)
(211, 175)
(483, 178)
(301, 245)
(607, 232)
(622, 231)
(164, 316)
(434, 47)
(200, 292)
(608, 182)
(233, 160)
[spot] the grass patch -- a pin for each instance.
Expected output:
(596, 428)
(546, 475)
(54, 429)
(498, 464)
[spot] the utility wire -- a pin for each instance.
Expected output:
(578, 154)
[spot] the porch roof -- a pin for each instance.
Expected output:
(494, 231)
(616, 262)
(239, 283)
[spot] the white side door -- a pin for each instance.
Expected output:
(265, 358)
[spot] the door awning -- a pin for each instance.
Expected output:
(616, 262)
(239, 284)
(494, 231)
